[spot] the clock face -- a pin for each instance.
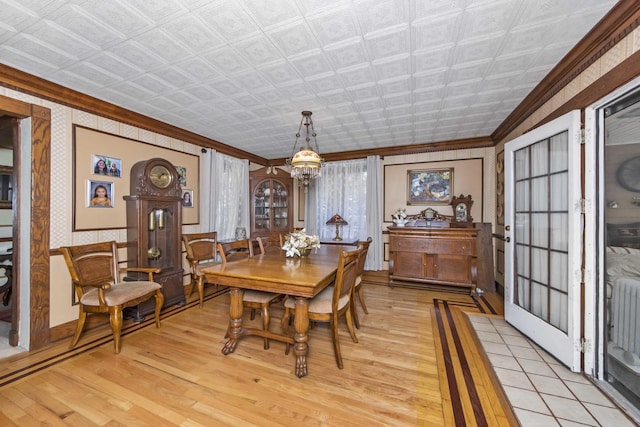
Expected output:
(461, 212)
(160, 176)
(628, 174)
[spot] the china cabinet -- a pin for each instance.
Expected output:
(271, 203)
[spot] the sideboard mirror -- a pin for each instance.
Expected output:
(6, 186)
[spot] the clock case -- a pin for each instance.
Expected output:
(154, 228)
(461, 207)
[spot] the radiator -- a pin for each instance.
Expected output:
(626, 316)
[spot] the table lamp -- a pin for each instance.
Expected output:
(338, 221)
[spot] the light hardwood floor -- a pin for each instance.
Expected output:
(176, 375)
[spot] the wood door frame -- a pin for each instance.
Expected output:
(39, 197)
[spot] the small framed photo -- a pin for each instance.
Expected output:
(99, 194)
(429, 187)
(182, 174)
(187, 198)
(103, 165)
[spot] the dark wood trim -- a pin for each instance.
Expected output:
(14, 108)
(39, 196)
(40, 217)
(425, 147)
(619, 22)
(623, 18)
(626, 71)
(27, 83)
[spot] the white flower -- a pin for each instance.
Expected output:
(299, 240)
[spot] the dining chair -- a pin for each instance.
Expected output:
(96, 280)
(332, 302)
(255, 300)
(273, 243)
(201, 250)
(357, 289)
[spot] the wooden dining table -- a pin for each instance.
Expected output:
(300, 277)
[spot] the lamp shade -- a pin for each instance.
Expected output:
(337, 220)
(306, 163)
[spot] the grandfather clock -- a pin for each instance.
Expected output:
(154, 224)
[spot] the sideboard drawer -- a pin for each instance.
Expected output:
(458, 246)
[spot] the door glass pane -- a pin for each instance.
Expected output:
(558, 191)
(522, 196)
(261, 203)
(522, 293)
(559, 278)
(522, 267)
(279, 208)
(539, 265)
(539, 158)
(559, 152)
(540, 192)
(522, 228)
(521, 164)
(541, 229)
(557, 301)
(621, 295)
(559, 222)
(539, 300)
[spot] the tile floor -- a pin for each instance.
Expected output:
(541, 391)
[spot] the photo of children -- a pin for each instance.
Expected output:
(100, 194)
(109, 166)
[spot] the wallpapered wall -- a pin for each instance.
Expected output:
(62, 184)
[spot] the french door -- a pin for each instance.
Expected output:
(544, 236)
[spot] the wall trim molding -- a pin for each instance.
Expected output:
(621, 20)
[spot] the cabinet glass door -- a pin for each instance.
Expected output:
(271, 207)
(262, 203)
(280, 206)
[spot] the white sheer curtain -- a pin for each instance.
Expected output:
(352, 189)
(207, 186)
(342, 189)
(228, 190)
(374, 215)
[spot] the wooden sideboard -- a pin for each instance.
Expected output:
(461, 257)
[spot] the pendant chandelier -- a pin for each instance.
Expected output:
(306, 163)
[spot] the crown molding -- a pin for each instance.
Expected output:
(27, 83)
(623, 18)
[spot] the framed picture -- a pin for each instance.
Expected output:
(182, 173)
(89, 147)
(429, 186)
(103, 165)
(187, 198)
(500, 188)
(99, 194)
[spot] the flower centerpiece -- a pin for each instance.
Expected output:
(400, 217)
(300, 243)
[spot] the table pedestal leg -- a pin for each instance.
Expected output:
(235, 320)
(301, 325)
